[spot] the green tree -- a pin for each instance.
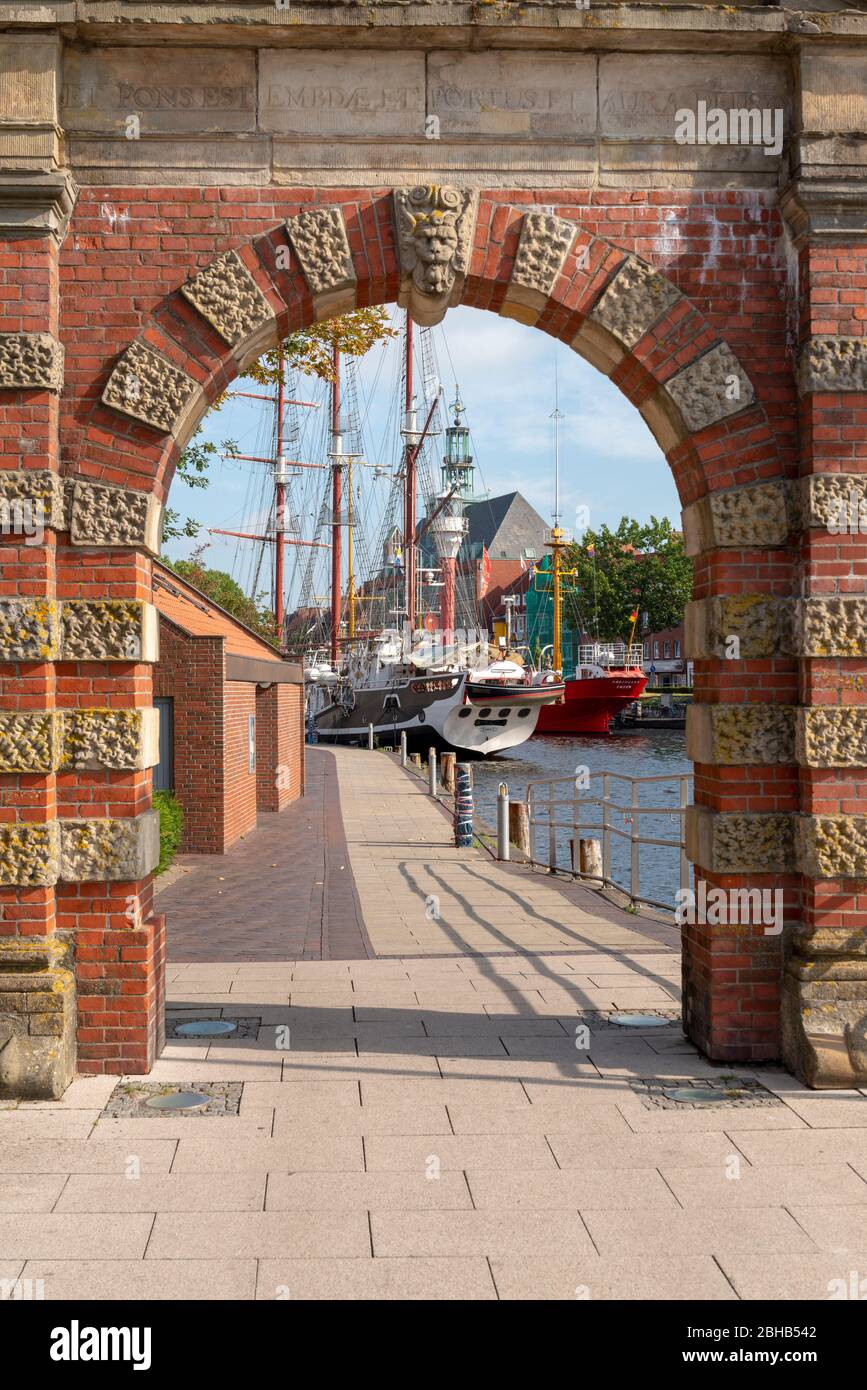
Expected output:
(192, 469)
(311, 350)
(638, 566)
(221, 587)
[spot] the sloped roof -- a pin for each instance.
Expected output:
(506, 526)
(199, 616)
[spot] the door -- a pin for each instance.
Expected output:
(164, 772)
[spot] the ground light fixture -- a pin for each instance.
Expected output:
(626, 1020)
(178, 1100)
(702, 1095)
(206, 1027)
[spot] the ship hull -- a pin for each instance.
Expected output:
(589, 705)
(432, 711)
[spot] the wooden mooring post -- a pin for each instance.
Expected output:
(519, 826)
(447, 771)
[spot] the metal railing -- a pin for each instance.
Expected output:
(620, 654)
(593, 808)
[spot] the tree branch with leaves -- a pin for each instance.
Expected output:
(637, 566)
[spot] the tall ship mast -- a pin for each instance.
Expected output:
(280, 468)
(424, 675)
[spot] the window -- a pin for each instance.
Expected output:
(666, 650)
(251, 743)
(656, 651)
(647, 649)
(677, 649)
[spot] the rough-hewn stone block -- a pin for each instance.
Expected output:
(542, 249)
(832, 365)
(833, 626)
(30, 497)
(319, 240)
(30, 362)
(740, 518)
(29, 854)
(739, 627)
(147, 387)
(29, 742)
(109, 630)
(710, 389)
(226, 294)
(37, 1018)
(633, 301)
(728, 842)
(102, 515)
(29, 629)
(45, 740)
(112, 849)
(835, 501)
(832, 736)
(122, 739)
(832, 846)
(735, 734)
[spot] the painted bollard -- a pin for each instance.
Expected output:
(463, 819)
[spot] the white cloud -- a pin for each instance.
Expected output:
(506, 372)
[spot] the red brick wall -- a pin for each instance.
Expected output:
(190, 672)
(728, 258)
(239, 783)
(279, 746)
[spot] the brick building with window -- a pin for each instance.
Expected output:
(231, 718)
(664, 660)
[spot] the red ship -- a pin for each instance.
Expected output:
(609, 676)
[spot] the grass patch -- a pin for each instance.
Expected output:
(171, 827)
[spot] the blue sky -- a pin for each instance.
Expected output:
(610, 463)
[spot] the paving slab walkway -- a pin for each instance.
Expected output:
(433, 1104)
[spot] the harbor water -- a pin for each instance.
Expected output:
(632, 753)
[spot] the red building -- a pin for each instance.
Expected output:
(664, 659)
(231, 718)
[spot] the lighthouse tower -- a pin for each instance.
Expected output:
(449, 526)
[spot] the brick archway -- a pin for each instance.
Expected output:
(769, 811)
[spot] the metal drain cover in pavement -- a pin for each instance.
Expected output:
(640, 1020)
(206, 1028)
(178, 1100)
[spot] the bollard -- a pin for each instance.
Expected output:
(503, 821)
(519, 826)
(312, 732)
(463, 817)
(432, 771)
(370, 735)
(415, 759)
(447, 771)
(403, 749)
